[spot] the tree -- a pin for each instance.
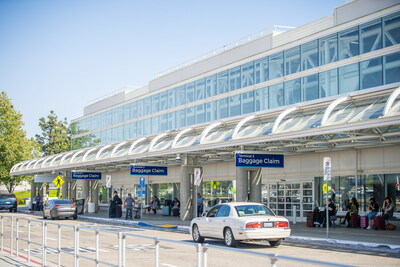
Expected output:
(88, 140)
(55, 137)
(14, 146)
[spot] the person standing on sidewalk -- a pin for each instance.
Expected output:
(128, 204)
(200, 204)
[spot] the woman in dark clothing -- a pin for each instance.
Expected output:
(353, 209)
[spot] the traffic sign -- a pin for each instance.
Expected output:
(142, 187)
(108, 181)
(197, 177)
(58, 181)
(327, 169)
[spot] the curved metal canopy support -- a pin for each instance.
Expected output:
(101, 150)
(155, 139)
(55, 158)
(178, 136)
(74, 156)
(134, 144)
(65, 156)
(88, 152)
(330, 108)
(37, 162)
(390, 101)
(24, 163)
(34, 160)
(282, 116)
(16, 166)
(46, 160)
(208, 129)
(240, 124)
(116, 147)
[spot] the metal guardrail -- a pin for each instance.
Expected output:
(201, 249)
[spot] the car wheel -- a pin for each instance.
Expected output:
(229, 238)
(75, 217)
(196, 234)
(275, 243)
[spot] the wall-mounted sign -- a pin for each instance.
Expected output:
(108, 181)
(259, 160)
(149, 170)
(142, 187)
(86, 175)
(45, 178)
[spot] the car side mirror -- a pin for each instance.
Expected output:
(204, 214)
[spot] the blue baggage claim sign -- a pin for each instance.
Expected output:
(149, 170)
(259, 161)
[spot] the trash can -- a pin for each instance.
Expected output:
(91, 207)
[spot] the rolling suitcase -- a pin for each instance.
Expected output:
(175, 212)
(166, 211)
(363, 221)
(379, 223)
(310, 219)
(355, 220)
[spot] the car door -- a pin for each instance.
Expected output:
(220, 221)
(206, 228)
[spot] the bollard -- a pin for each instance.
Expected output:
(156, 241)
(119, 249)
(205, 248)
(97, 248)
(44, 230)
(198, 255)
(273, 261)
(59, 245)
(123, 249)
(76, 250)
(2, 233)
(294, 214)
(16, 238)
(12, 236)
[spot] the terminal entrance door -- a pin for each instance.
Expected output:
(282, 197)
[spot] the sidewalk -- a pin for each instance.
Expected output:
(338, 236)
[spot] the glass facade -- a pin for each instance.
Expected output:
(126, 120)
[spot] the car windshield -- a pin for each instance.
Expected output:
(62, 201)
(6, 196)
(253, 210)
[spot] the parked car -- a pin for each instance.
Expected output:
(59, 208)
(8, 202)
(240, 221)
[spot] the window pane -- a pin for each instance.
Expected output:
(276, 95)
(391, 26)
(147, 127)
(247, 102)
(371, 36)
(155, 125)
(348, 43)
(371, 73)
(349, 78)
(134, 111)
(164, 101)
(234, 106)
(292, 60)
(171, 120)
(261, 70)
(276, 66)
(147, 106)
(140, 108)
(328, 83)
(328, 49)
(309, 55)
(139, 128)
(171, 98)
(200, 89)
(211, 86)
(189, 93)
(222, 108)
(248, 74)
(180, 118)
(292, 92)
(392, 68)
(234, 79)
(180, 95)
(127, 113)
(200, 113)
(310, 87)
(211, 111)
(163, 122)
(156, 103)
(190, 119)
(222, 82)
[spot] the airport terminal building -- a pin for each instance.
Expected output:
(257, 117)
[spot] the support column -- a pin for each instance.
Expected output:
(186, 200)
(64, 188)
(195, 190)
(33, 192)
(242, 178)
(255, 185)
(95, 195)
(85, 195)
(154, 189)
(72, 186)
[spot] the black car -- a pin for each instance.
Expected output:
(8, 202)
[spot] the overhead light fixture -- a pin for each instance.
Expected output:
(53, 172)
(178, 157)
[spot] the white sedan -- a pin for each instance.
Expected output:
(240, 221)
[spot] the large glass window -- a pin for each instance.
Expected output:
(234, 105)
(155, 125)
(171, 120)
(247, 74)
(234, 79)
(180, 118)
(147, 127)
(371, 36)
(164, 101)
(180, 95)
(247, 102)
(200, 89)
(211, 111)
(222, 108)
(392, 68)
(155, 103)
(200, 113)
(261, 99)
(190, 119)
(276, 95)
(211, 86)
(328, 49)
(328, 83)
(292, 60)
(222, 82)
(147, 106)
(276, 66)
(127, 114)
(171, 98)
(140, 108)
(134, 111)
(292, 92)
(393, 190)
(261, 70)
(164, 122)
(139, 128)
(372, 186)
(349, 79)
(309, 55)
(371, 73)
(189, 93)
(310, 87)
(348, 43)
(391, 27)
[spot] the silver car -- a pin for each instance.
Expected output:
(60, 208)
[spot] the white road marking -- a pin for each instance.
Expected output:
(169, 265)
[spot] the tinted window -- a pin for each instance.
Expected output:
(213, 212)
(62, 201)
(6, 196)
(253, 210)
(224, 211)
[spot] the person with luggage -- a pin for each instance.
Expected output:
(175, 207)
(128, 204)
(373, 209)
(200, 204)
(352, 209)
(387, 208)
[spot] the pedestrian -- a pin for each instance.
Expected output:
(373, 209)
(200, 204)
(118, 205)
(128, 204)
(38, 200)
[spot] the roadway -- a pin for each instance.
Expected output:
(140, 251)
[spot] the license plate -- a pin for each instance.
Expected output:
(8, 202)
(268, 224)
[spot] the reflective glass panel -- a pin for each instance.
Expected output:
(392, 68)
(134, 111)
(171, 120)
(163, 100)
(292, 92)
(171, 98)
(200, 89)
(180, 95)
(261, 70)
(371, 73)
(276, 95)
(127, 113)
(222, 82)
(309, 55)
(155, 125)
(180, 118)
(349, 79)
(139, 128)
(190, 119)
(328, 83)
(211, 86)
(156, 103)
(234, 79)
(391, 27)
(163, 122)
(247, 102)
(211, 111)
(310, 87)
(348, 43)
(140, 108)
(200, 113)
(189, 93)
(147, 126)
(292, 60)
(147, 106)
(248, 74)
(222, 108)
(371, 36)
(328, 49)
(276, 66)
(234, 106)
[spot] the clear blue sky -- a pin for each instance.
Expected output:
(60, 55)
